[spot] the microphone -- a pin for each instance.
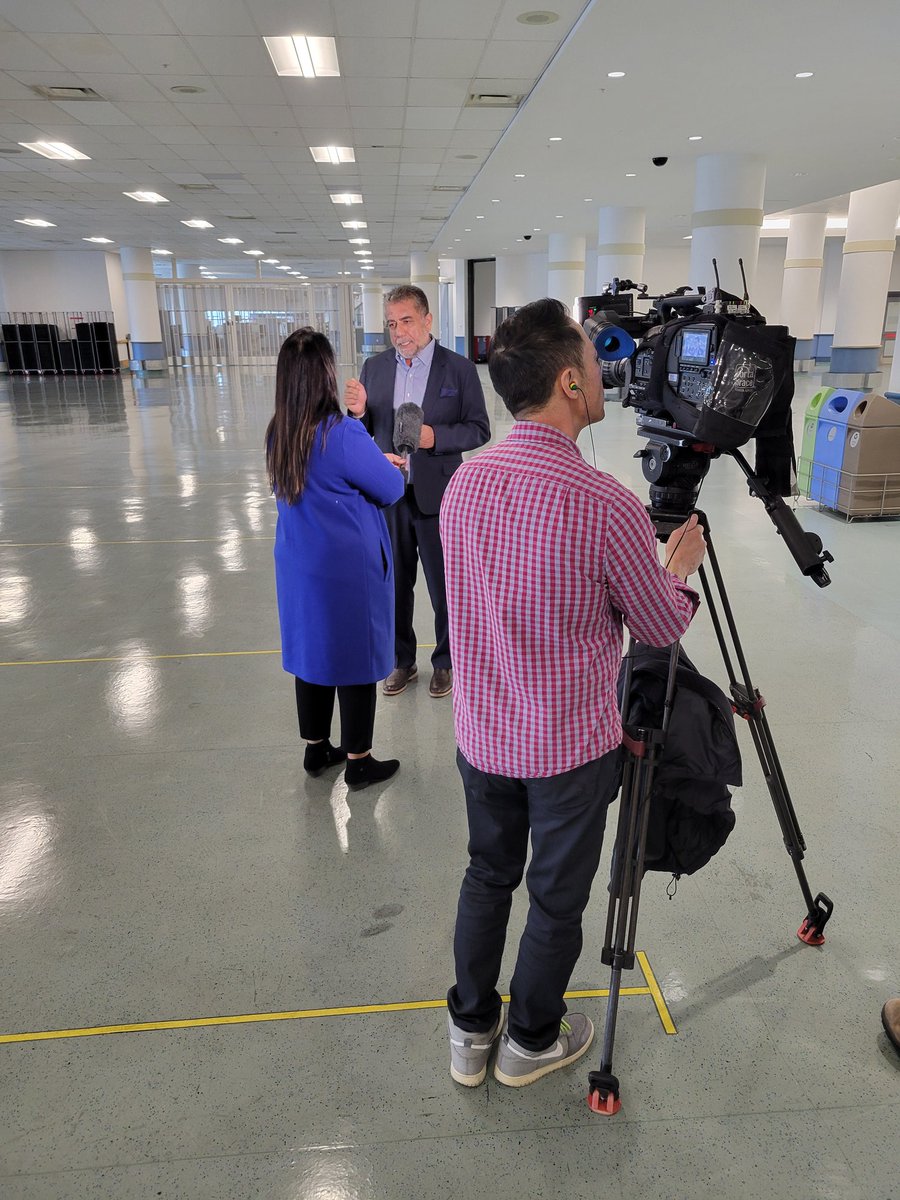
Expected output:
(407, 429)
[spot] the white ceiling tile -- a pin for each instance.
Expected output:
(433, 155)
(375, 17)
(19, 53)
(114, 16)
(324, 117)
(486, 118)
(84, 52)
(442, 93)
(233, 55)
(13, 89)
(175, 135)
(163, 85)
(200, 16)
(431, 118)
(167, 55)
(514, 58)
(433, 58)
(379, 57)
(377, 118)
(94, 112)
(42, 113)
(275, 116)
(313, 93)
(203, 114)
(278, 18)
(377, 93)
(461, 19)
(246, 89)
(433, 139)
(473, 140)
(508, 26)
(45, 16)
(154, 113)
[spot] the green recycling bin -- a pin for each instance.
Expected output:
(808, 444)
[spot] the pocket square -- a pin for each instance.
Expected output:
(449, 391)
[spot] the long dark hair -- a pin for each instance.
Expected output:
(306, 396)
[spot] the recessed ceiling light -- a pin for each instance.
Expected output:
(479, 218)
(232, 241)
(187, 89)
(615, 74)
(99, 241)
(696, 137)
(804, 75)
(800, 174)
(518, 239)
(160, 251)
(363, 253)
(210, 277)
(589, 199)
(354, 225)
(469, 230)
(198, 223)
(455, 240)
(346, 198)
(271, 260)
(308, 57)
(521, 175)
(559, 216)
(146, 197)
(359, 241)
(56, 150)
(554, 139)
(333, 154)
(255, 253)
(283, 267)
(495, 202)
(631, 174)
(37, 222)
(538, 17)
(687, 237)
(536, 229)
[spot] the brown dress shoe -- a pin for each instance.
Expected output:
(890, 1019)
(441, 683)
(398, 679)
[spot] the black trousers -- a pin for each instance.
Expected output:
(315, 707)
(566, 816)
(416, 536)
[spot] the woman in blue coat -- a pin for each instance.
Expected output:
(333, 569)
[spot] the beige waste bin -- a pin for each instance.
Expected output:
(870, 469)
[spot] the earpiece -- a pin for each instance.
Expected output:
(573, 387)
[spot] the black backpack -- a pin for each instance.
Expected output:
(690, 805)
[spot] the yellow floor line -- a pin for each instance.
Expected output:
(253, 1018)
(136, 542)
(656, 992)
(115, 658)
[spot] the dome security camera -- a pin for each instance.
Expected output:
(659, 160)
(527, 237)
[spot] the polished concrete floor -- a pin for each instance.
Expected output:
(164, 858)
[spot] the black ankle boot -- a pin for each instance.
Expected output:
(360, 772)
(320, 756)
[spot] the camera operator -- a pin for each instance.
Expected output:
(545, 558)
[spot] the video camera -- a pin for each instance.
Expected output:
(705, 374)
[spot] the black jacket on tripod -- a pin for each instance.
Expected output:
(690, 804)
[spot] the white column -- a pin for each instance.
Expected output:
(620, 246)
(373, 317)
(147, 349)
(728, 215)
(565, 267)
(424, 273)
(802, 279)
(865, 276)
(512, 281)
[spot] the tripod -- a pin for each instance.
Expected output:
(643, 747)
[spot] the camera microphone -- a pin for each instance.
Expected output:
(407, 429)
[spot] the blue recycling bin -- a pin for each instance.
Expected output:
(828, 456)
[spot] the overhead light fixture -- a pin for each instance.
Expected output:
(333, 154)
(631, 174)
(309, 57)
(559, 216)
(615, 74)
(363, 253)
(696, 137)
(479, 218)
(467, 230)
(283, 267)
(210, 277)
(271, 260)
(158, 251)
(354, 225)
(99, 241)
(495, 202)
(58, 151)
(232, 241)
(187, 89)
(37, 222)
(255, 253)
(146, 197)
(359, 241)
(589, 199)
(198, 223)
(363, 267)
(536, 229)
(554, 139)
(804, 75)
(687, 237)
(346, 198)
(521, 175)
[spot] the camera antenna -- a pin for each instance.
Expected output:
(744, 277)
(716, 269)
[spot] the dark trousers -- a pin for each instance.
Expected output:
(566, 816)
(416, 536)
(315, 707)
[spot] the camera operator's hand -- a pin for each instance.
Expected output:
(686, 548)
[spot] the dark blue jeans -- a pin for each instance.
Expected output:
(566, 816)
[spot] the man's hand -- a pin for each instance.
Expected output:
(686, 548)
(397, 461)
(426, 440)
(355, 397)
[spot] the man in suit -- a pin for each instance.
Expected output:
(418, 370)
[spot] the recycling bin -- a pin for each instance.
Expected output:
(808, 444)
(828, 455)
(869, 480)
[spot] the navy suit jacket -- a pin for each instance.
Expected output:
(453, 406)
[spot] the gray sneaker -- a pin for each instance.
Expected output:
(515, 1067)
(469, 1052)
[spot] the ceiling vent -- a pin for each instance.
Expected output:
(198, 187)
(493, 100)
(449, 187)
(66, 93)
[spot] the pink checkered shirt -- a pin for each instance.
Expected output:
(545, 557)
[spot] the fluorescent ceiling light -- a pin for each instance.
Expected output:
(615, 74)
(359, 241)
(366, 267)
(160, 251)
(518, 176)
(146, 197)
(37, 222)
(255, 253)
(696, 137)
(198, 223)
(308, 57)
(346, 198)
(56, 150)
(363, 253)
(99, 241)
(687, 237)
(554, 139)
(631, 174)
(333, 154)
(271, 260)
(354, 225)
(804, 75)
(283, 267)
(232, 241)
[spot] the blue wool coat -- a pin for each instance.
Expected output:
(334, 574)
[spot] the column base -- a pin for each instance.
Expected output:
(850, 380)
(148, 366)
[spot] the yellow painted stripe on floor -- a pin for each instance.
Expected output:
(656, 992)
(56, 662)
(137, 542)
(254, 1018)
